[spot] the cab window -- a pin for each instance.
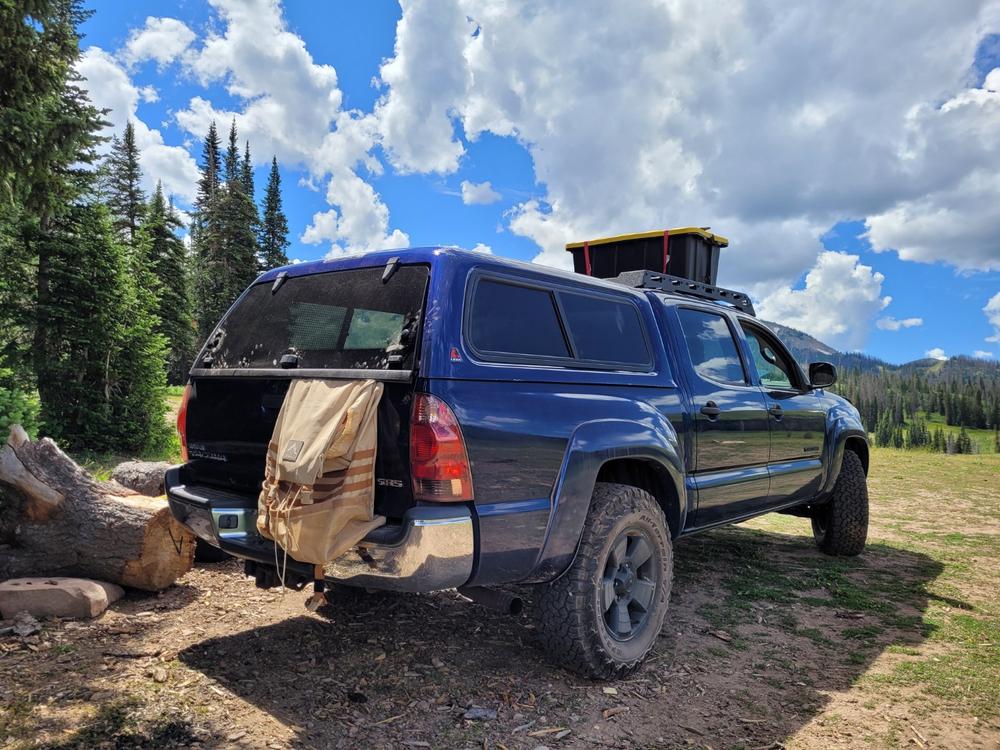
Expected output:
(711, 346)
(775, 368)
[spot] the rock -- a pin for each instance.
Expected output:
(25, 625)
(57, 597)
(478, 713)
(145, 477)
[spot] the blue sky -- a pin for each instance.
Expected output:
(809, 161)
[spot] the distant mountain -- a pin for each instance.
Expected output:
(806, 349)
(968, 368)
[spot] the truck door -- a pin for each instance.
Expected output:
(730, 419)
(796, 415)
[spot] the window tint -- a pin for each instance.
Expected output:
(605, 330)
(711, 346)
(337, 319)
(515, 320)
(774, 368)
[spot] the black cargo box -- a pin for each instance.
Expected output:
(689, 252)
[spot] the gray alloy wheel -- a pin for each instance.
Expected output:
(602, 616)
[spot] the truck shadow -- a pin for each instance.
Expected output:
(761, 629)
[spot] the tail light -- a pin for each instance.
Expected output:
(438, 460)
(182, 414)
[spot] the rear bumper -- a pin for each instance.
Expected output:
(432, 548)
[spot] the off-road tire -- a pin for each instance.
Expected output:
(840, 527)
(568, 612)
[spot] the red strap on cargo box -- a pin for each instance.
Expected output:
(666, 248)
(586, 257)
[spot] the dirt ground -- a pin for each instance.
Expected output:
(768, 645)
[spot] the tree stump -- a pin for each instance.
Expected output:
(57, 520)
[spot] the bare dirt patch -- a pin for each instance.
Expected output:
(768, 644)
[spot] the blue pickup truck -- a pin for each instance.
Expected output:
(536, 427)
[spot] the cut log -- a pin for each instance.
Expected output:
(58, 520)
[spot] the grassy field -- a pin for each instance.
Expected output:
(768, 644)
(927, 590)
(984, 438)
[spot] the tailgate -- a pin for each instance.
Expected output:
(342, 325)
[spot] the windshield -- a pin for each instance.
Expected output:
(333, 320)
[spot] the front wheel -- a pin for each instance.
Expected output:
(840, 527)
(602, 616)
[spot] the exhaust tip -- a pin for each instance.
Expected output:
(502, 601)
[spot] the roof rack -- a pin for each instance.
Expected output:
(677, 285)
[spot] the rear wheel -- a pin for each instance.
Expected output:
(840, 527)
(602, 616)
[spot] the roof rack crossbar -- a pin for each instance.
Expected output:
(678, 285)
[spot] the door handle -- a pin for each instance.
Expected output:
(776, 411)
(711, 410)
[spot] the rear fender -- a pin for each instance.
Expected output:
(591, 446)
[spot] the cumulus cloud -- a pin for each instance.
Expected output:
(109, 86)
(478, 193)
(982, 354)
(889, 323)
(481, 248)
(936, 353)
(839, 298)
(161, 39)
(291, 106)
(992, 312)
(679, 136)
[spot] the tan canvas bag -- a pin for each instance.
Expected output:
(318, 496)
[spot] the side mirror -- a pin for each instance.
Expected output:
(822, 375)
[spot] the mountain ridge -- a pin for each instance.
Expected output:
(806, 348)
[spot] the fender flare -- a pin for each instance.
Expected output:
(843, 424)
(592, 445)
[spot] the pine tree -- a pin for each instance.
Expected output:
(49, 128)
(246, 172)
(121, 189)
(208, 271)
(274, 228)
(225, 237)
(101, 385)
(166, 259)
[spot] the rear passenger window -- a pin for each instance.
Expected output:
(711, 346)
(604, 330)
(512, 319)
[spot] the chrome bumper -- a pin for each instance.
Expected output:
(432, 549)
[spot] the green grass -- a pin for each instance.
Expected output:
(927, 587)
(983, 438)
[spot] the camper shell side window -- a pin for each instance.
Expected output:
(512, 320)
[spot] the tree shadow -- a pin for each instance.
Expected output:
(761, 627)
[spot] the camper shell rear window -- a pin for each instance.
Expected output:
(341, 320)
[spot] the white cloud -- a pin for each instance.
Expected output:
(291, 107)
(109, 86)
(982, 354)
(936, 353)
(679, 135)
(478, 193)
(837, 304)
(481, 248)
(992, 312)
(889, 323)
(161, 39)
